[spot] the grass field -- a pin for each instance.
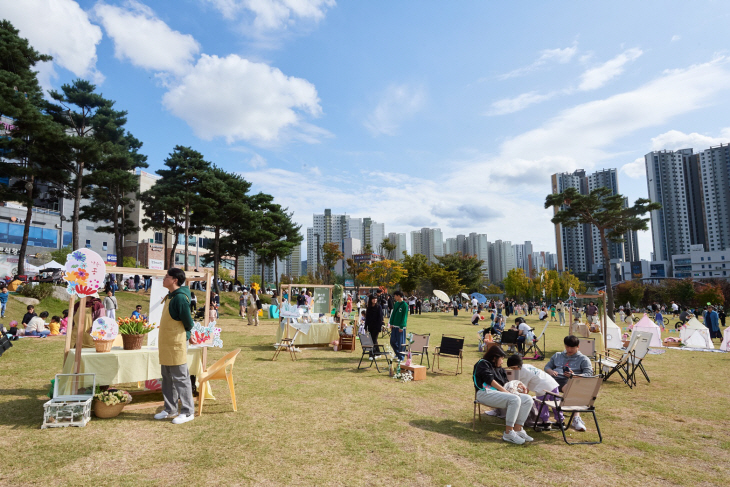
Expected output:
(320, 421)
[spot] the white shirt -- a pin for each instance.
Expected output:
(524, 328)
(675, 307)
(536, 380)
(474, 303)
(35, 324)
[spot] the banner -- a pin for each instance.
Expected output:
(156, 264)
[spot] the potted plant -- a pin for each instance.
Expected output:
(133, 331)
(109, 403)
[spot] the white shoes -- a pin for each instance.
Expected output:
(523, 434)
(183, 418)
(162, 415)
(578, 424)
(513, 437)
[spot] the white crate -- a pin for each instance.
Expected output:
(58, 414)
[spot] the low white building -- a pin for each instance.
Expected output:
(699, 263)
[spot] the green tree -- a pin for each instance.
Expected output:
(331, 253)
(443, 279)
(605, 211)
(387, 248)
(683, 292)
(163, 211)
(493, 289)
(469, 268)
(386, 273)
(516, 284)
(35, 150)
(630, 292)
(76, 107)
(711, 293)
(416, 267)
(61, 254)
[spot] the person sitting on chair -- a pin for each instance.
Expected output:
(489, 379)
(539, 382)
(525, 332)
(564, 365)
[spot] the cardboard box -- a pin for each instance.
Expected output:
(418, 371)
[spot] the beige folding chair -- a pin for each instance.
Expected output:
(607, 365)
(641, 349)
(420, 347)
(587, 346)
(578, 396)
(219, 371)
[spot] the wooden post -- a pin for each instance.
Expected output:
(206, 318)
(79, 339)
(69, 329)
(605, 317)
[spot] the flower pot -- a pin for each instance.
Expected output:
(103, 411)
(132, 342)
(103, 346)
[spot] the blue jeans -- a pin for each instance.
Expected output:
(2, 308)
(397, 337)
(38, 333)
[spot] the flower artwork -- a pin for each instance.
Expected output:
(134, 326)
(85, 271)
(206, 336)
(104, 328)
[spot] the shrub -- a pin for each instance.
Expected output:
(39, 291)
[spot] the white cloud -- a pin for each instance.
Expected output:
(636, 169)
(511, 105)
(145, 40)
(273, 14)
(676, 37)
(561, 56)
(396, 105)
(596, 77)
(59, 28)
(675, 140)
(238, 99)
(257, 161)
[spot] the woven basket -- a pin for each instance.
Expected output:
(103, 346)
(132, 342)
(103, 411)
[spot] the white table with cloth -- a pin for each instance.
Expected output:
(123, 366)
(318, 334)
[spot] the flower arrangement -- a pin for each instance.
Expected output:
(113, 397)
(134, 326)
(403, 376)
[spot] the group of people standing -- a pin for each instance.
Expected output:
(375, 315)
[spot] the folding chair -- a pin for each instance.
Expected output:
(587, 346)
(373, 351)
(578, 396)
(451, 346)
(420, 347)
(607, 365)
(219, 371)
(509, 337)
(640, 351)
(477, 407)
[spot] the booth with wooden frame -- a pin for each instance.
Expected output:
(205, 275)
(602, 316)
(288, 287)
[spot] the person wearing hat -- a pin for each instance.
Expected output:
(175, 327)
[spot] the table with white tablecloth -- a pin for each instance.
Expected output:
(318, 334)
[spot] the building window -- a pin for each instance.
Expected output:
(103, 246)
(702, 259)
(179, 259)
(88, 244)
(158, 237)
(67, 238)
(37, 236)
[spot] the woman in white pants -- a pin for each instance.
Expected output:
(489, 380)
(110, 305)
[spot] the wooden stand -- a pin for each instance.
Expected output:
(418, 371)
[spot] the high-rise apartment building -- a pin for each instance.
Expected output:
(429, 242)
(450, 246)
(672, 180)
(714, 170)
(399, 240)
(501, 260)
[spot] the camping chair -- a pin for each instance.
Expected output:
(607, 365)
(477, 407)
(219, 371)
(509, 337)
(451, 346)
(420, 347)
(578, 396)
(372, 350)
(587, 346)
(640, 351)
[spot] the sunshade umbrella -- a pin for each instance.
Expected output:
(480, 297)
(441, 295)
(464, 295)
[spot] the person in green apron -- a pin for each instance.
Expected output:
(175, 326)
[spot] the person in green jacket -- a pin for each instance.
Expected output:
(398, 321)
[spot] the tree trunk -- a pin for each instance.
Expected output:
(235, 278)
(216, 257)
(187, 232)
(165, 257)
(276, 273)
(77, 205)
(118, 239)
(606, 273)
(174, 248)
(262, 274)
(26, 231)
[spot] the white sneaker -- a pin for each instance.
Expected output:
(578, 424)
(513, 437)
(183, 418)
(491, 412)
(523, 434)
(162, 415)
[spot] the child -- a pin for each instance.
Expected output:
(659, 319)
(13, 328)
(64, 322)
(361, 328)
(55, 326)
(476, 317)
(3, 301)
(538, 381)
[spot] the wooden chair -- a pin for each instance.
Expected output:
(219, 371)
(372, 351)
(347, 340)
(420, 347)
(578, 396)
(451, 346)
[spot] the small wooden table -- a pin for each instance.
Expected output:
(418, 371)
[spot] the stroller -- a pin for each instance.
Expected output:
(533, 350)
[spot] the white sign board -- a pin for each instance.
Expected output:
(156, 264)
(155, 315)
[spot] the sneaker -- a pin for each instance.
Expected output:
(523, 434)
(578, 424)
(162, 415)
(183, 418)
(491, 412)
(513, 437)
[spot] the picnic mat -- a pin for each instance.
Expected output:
(692, 349)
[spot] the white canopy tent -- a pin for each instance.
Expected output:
(696, 335)
(645, 324)
(52, 265)
(613, 335)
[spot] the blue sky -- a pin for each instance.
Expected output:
(415, 113)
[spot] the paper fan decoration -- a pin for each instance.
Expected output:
(104, 329)
(85, 271)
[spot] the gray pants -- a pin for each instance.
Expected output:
(518, 405)
(176, 385)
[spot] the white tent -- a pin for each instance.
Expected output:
(613, 334)
(52, 265)
(645, 324)
(725, 347)
(696, 335)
